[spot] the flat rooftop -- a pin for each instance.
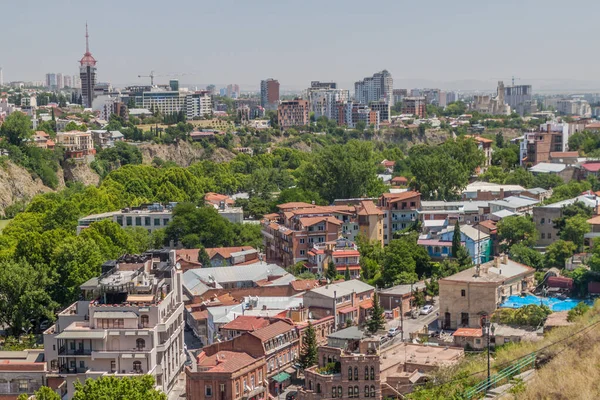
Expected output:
(403, 353)
(491, 272)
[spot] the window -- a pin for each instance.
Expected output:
(147, 221)
(477, 341)
(350, 373)
(543, 221)
(140, 344)
(356, 394)
(120, 220)
(355, 373)
(366, 391)
(333, 392)
(372, 391)
(129, 221)
(366, 373)
(156, 221)
(340, 393)
(302, 241)
(549, 236)
(302, 252)
(464, 319)
(222, 387)
(372, 373)
(23, 385)
(138, 221)
(165, 221)
(81, 364)
(137, 366)
(144, 319)
(543, 236)
(463, 293)
(208, 390)
(318, 388)
(350, 392)
(113, 366)
(251, 381)
(237, 388)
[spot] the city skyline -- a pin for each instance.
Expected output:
(488, 45)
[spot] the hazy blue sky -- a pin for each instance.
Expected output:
(244, 41)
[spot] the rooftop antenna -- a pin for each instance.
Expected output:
(87, 39)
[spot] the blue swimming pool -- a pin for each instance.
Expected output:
(553, 303)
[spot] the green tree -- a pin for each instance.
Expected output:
(575, 228)
(110, 387)
(16, 128)
(558, 252)
(376, 321)
(463, 258)
(308, 353)
(456, 242)
(203, 257)
(399, 262)
(526, 255)
(547, 181)
(577, 311)
(516, 229)
(331, 272)
(347, 276)
(43, 393)
(25, 295)
(193, 225)
(342, 171)
(520, 176)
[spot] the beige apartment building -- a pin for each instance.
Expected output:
(467, 296)
(293, 113)
(77, 144)
(129, 322)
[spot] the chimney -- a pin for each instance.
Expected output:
(505, 259)
(547, 127)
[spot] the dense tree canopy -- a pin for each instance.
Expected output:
(110, 387)
(516, 229)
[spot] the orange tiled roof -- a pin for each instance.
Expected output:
(225, 252)
(296, 204)
(216, 198)
(225, 361)
(560, 154)
(246, 323)
(304, 284)
(309, 221)
(270, 331)
(369, 208)
(468, 332)
(393, 197)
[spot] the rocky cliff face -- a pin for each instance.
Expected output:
(16, 183)
(81, 173)
(183, 153)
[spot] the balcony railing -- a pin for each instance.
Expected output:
(64, 351)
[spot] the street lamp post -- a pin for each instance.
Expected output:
(488, 327)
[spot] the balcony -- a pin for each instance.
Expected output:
(64, 351)
(73, 370)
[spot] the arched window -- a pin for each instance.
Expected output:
(356, 393)
(140, 344)
(372, 391)
(436, 250)
(366, 391)
(333, 392)
(324, 360)
(350, 373)
(372, 373)
(310, 385)
(318, 388)
(355, 373)
(144, 319)
(340, 393)
(137, 366)
(366, 373)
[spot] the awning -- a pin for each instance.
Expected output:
(281, 377)
(367, 304)
(115, 314)
(82, 334)
(346, 310)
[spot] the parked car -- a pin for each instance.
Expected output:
(292, 395)
(393, 331)
(428, 308)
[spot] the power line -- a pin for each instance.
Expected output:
(513, 360)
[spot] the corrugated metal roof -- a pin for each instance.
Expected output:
(343, 288)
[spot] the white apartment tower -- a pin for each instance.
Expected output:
(380, 86)
(129, 322)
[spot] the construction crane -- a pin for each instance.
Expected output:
(513, 80)
(151, 76)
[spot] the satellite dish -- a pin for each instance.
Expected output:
(178, 265)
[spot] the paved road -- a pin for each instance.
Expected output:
(412, 325)
(178, 391)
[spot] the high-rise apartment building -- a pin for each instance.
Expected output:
(414, 106)
(293, 113)
(59, 81)
(198, 104)
(87, 73)
(51, 81)
(398, 95)
(374, 88)
(128, 322)
(519, 98)
(233, 91)
(323, 98)
(269, 94)
(67, 81)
